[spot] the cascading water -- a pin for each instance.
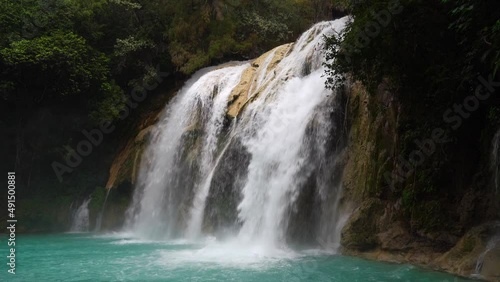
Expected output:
(249, 149)
(98, 221)
(181, 157)
(492, 244)
(80, 221)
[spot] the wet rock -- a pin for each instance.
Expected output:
(397, 238)
(247, 90)
(472, 256)
(360, 231)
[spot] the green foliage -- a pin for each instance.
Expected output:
(428, 55)
(478, 23)
(494, 116)
(60, 64)
(45, 57)
(204, 32)
(430, 47)
(274, 27)
(68, 48)
(130, 44)
(43, 214)
(98, 197)
(107, 108)
(66, 65)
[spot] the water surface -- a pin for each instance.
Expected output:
(89, 257)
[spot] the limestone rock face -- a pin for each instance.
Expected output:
(359, 233)
(125, 165)
(251, 83)
(491, 264)
(395, 238)
(380, 228)
(476, 254)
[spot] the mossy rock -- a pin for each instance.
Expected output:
(360, 231)
(463, 257)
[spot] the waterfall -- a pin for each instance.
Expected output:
(492, 243)
(251, 149)
(80, 221)
(98, 221)
(179, 161)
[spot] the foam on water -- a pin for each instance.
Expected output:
(87, 257)
(226, 254)
(282, 144)
(81, 218)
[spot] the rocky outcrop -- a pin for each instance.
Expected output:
(124, 169)
(372, 140)
(473, 256)
(250, 85)
(390, 223)
(386, 226)
(126, 164)
(477, 252)
(360, 232)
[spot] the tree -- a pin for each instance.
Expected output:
(56, 65)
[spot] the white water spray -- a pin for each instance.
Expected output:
(80, 221)
(98, 222)
(492, 244)
(255, 173)
(198, 109)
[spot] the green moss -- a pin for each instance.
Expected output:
(44, 214)
(98, 197)
(125, 172)
(469, 244)
(409, 199)
(361, 229)
(429, 216)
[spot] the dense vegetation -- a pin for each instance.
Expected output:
(59, 50)
(432, 56)
(68, 65)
